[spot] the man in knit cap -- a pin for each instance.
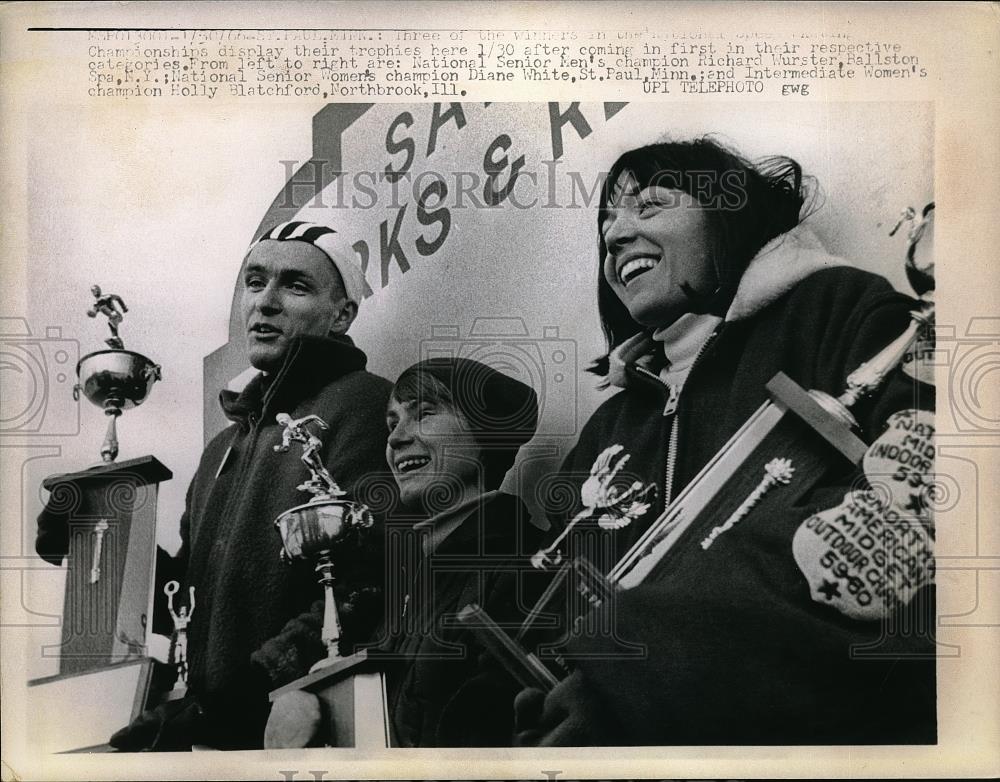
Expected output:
(300, 292)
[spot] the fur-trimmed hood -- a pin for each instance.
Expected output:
(779, 266)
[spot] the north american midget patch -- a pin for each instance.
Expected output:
(871, 553)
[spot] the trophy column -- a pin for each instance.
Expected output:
(104, 521)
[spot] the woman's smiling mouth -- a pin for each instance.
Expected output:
(411, 463)
(631, 269)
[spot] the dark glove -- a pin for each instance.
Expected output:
(52, 538)
(170, 727)
(233, 719)
(569, 716)
(291, 652)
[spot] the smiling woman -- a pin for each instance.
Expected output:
(700, 208)
(455, 427)
(657, 250)
(708, 287)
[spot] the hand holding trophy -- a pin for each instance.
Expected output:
(115, 379)
(314, 529)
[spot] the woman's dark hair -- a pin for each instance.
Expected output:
(747, 205)
(422, 387)
(501, 413)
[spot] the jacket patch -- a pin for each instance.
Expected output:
(614, 506)
(870, 554)
(921, 362)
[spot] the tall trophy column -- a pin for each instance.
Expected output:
(102, 520)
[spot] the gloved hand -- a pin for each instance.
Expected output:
(233, 719)
(291, 652)
(52, 537)
(569, 716)
(170, 727)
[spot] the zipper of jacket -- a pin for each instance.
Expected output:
(241, 469)
(673, 402)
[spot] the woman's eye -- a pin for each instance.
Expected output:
(427, 410)
(299, 287)
(649, 204)
(254, 283)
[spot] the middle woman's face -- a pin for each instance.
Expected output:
(657, 241)
(430, 449)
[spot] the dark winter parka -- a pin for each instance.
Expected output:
(439, 694)
(230, 550)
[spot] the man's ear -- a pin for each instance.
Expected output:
(345, 317)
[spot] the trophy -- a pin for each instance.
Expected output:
(178, 641)
(115, 379)
(312, 530)
(101, 521)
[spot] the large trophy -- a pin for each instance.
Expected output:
(351, 687)
(115, 379)
(102, 522)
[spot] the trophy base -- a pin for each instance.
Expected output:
(326, 662)
(353, 692)
(63, 713)
(103, 522)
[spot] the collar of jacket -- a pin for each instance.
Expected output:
(500, 528)
(311, 363)
(780, 265)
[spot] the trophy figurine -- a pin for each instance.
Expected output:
(115, 379)
(313, 530)
(178, 642)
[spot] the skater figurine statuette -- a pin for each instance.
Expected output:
(115, 379)
(112, 306)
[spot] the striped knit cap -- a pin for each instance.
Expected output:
(330, 242)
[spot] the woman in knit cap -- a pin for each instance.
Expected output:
(455, 427)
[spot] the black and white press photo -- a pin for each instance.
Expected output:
(428, 398)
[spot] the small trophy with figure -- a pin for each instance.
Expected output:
(178, 640)
(115, 379)
(314, 529)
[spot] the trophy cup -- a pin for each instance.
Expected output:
(115, 379)
(314, 529)
(352, 689)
